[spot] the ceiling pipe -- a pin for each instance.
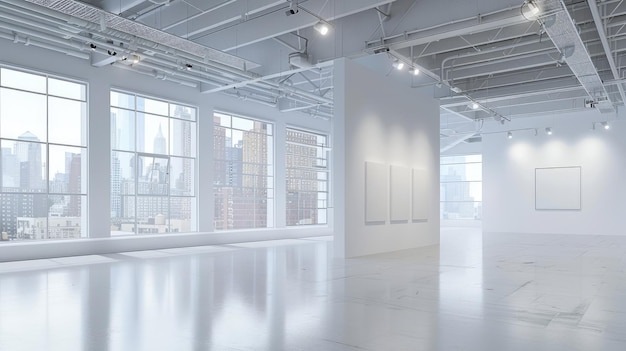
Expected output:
(593, 6)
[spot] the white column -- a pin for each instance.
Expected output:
(99, 150)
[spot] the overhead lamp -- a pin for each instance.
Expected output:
(606, 125)
(136, 58)
(111, 52)
(533, 8)
(530, 10)
(414, 71)
(188, 66)
(399, 65)
(474, 106)
(509, 135)
(92, 46)
(322, 27)
(549, 131)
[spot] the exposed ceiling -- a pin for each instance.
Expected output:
(499, 56)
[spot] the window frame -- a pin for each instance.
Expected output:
(46, 146)
(169, 155)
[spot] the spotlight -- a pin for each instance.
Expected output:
(136, 58)
(533, 8)
(93, 46)
(549, 131)
(509, 135)
(111, 52)
(322, 27)
(475, 106)
(399, 65)
(188, 66)
(530, 10)
(606, 125)
(414, 71)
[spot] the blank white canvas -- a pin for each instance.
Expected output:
(400, 193)
(375, 192)
(557, 188)
(421, 197)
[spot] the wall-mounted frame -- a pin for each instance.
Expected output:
(420, 195)
(375, 192)
(558, 188)
(399, 193)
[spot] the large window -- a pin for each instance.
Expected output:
(307, 178)
(461, 187)
(243, 180)
(43, 137)
(153, 161)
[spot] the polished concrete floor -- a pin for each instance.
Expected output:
(474, 292)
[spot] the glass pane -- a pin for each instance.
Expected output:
(152, 106)
(152, 215)
(184, 112)
(122, 100)
(153, 179)
(68, 170)
(68, 217)
(67, 89)
(243, 123)
(22, 80)
(68, 122)
(221, 143)
(122, 129)
(223, 208)
(122, 174)
(461, 210)
(182, 214)
(461, 159)
(183, 140)
(466, 191)
(123, 215)
(23, 167)
(23, 115)
(25, 216)
(182, 176)
(221, 120)
(461, 172)
(152, 134)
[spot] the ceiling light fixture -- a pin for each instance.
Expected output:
(322, 27)
(549, 131)
(606, 125)
(530, 10)
(414, 71)
(509, 135)
(399, 65)
(188, 66)
(92, 46)
(136, 58)
(474, 106)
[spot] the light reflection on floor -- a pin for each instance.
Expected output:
(475, 292)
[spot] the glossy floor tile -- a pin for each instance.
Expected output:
(473, 292)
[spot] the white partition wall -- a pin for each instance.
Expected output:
(399, 129)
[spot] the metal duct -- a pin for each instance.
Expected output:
(563, 32)
(108, 20)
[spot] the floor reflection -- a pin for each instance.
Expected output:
(474, 292)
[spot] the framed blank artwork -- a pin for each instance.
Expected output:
(558, 188)
(400, 186)
(375, 192)
(420, 194)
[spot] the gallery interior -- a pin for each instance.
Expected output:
(312, 175)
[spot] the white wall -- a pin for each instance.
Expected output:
(100, 81)
(384, 122)
(509, 175)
